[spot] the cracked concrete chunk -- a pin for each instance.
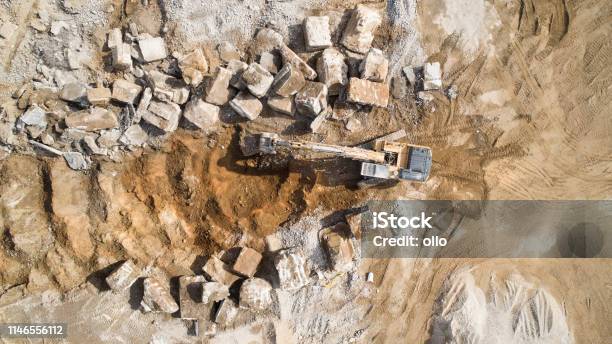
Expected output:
(432, 76)
(95, 119)
(410, 75)
(219, 271)
(237, 67)
(190, 296)
(291, 268)
(134, 135)
(283, 105)
(226, 312)
(122, 56)
(73, 92)
(332, 70)
(123, 276)
(34, 116)
(152, 49)
(270, 61)
(311, 99)
(168, 88)
(266, 40)
(246, 105)
(359, 32)
(375, 66)
(214, 292)
(317, 34)
(157, 298)
(317, 123)
(99, 96)
(255, 293)
(162, 115)
(247, 262)
(201, 114)
(368, 93)
(193, 67)
(125, 91)
(288, 81)
(257, 79)
(76, 161)
(218, 92)
(114, 38)
(227, 52)
(290, 57)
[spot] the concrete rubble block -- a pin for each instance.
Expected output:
(122, 56)
(91, 147)
(157, 298)
(410, 74)
(193, 67)
(288, 81)
(246, 105)
(256, 294)
(190, 296)
(218, 92)
(76, 161)
(266, 40)
(214, 292)
(227, 52)
(125, 91)
(257, 79)
(317, 123)
(143, 104)
(282, 105)
(168, 88)
(162, 115)
(219, 271)
(134, 135)
(270, 61)
(237, 67)
(247, 262)
(152, 49)
(368, 93)
(99, 96)
(375, 66)
(332, 70)
(317, 34)
(339, 249)
(226, 313)
(109, 138)
(201, 114)
(291, 268)
(432, 76)
(359, 32)
(291, 57)
(311, 99)
(73, 92)
(114, 38)
(34, 116)
(7, 30)
(95, 119)
(123, 276)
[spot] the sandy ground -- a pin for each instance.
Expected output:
(531, 121)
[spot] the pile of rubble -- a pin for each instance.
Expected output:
(238, 284)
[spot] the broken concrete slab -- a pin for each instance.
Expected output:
(359, 32)
(270, 61)
(114, 38)
(73, 92)
(162, 115)
(91, 147)
(125, 91)
(283, 105)
(123, 276)
(257, 79)
(193, 67)
(226, 312)
(247, 262)
(311, 99)
(152, 49)
(122, 56)
(291, 268)
(256, 294)
(432, 76)
(95, 119)
(266, 40)
(317, 34)
(332, 70)
(291, 57)
(98, 96)
(339, 248)
(368, 93)
(237, 67)
(34, 116)
(246, 105)
(227, 52)
(317, 123)
(157, 298)
(214, 292)
(134, 135)
(201, 114)
(168, 88)
(218, 271)
(76, 161)
(190, 296)
(218, 92)
(288, 81)
(375, 66)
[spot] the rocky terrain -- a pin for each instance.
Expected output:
(128, 210)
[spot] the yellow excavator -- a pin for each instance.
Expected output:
(386, 159)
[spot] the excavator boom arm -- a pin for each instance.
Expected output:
(354, 153)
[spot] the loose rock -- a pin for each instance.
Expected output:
(218, 92)
(246, 105)
(34, 116)
(125, 91)
(134, 135)
(291, 267)
(124, 276)
(270, 62)
(193, 67)
(283, 105)
(228, 51)
(368, 93)
(99, 96)
(214, 292)
(201, 114)
(375, 66)
(219, 272)
(152, 49)
(290, 57)
(288, 81)
(359, 31)
(122, 56)
(237, 67)
(76, 161)
(73, 92)
(162, 115)
(312, 99)
(156, 298)
(266, 40)
(432, 76)
(226, 313)
(255, 293)
(247, 262)
(257, 79)
(93, 120)
(316, 33)
(332, 70)
(114, 38)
